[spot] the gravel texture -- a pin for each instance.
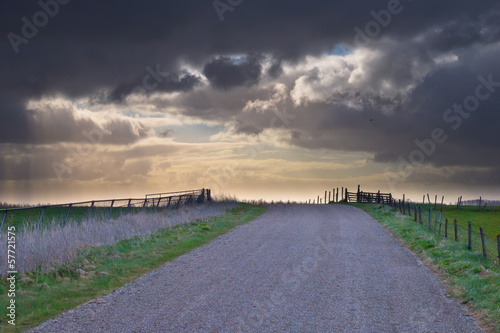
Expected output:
(297, 268)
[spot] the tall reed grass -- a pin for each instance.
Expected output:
(54, 246)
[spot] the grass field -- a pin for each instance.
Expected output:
(469, 277)
(98, 270)
(489, 219)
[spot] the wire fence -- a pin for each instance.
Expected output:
(482, 241)
(450, 228)
(40, 216)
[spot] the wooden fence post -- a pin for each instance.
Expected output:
(442, 202)
(111, 209)
(420, 214)
(446, 228)
(359, 191)
(318, 200)
(3, 220)
(436, 221)
(337, 195)
(469, 245)
(456, 230)
(404, 208)
(201, 197)
(128, 206)
(329, 196)
(325, 197)
(480, 199)
(440, 223)
(67, 214)
(481, 231)
(342, 194)
(430, 217)
(90, 211)
(498, 243)
(423, 200)
(41, 217)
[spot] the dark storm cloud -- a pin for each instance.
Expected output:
(227, 73)
(165, 83)
(91, 46)
(276, 69)
(472, 140)
(465, 32)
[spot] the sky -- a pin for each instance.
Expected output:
(273, 99)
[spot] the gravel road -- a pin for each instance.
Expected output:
(298, 268)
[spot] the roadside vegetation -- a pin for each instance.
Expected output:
(53, 245)
(471, 278)
(96, 269)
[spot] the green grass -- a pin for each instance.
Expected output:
(109, 267)
(470, 277)
(489, 219)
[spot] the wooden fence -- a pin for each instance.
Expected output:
(368, 197)
(101, 208)
(343, 195)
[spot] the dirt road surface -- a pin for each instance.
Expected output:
(298, 268)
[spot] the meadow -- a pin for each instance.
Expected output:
(488, 218)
